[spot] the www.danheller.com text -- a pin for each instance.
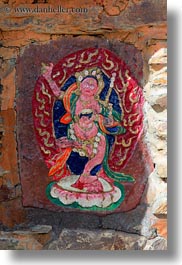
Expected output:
(47, 9)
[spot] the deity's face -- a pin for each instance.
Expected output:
(89, 86)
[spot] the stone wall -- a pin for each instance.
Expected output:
(141, 23)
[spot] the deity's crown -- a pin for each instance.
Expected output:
(96, 73)
(93, 72)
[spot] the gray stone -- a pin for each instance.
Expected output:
(32, 239)
(157, 243)
(18, 241)
(130, 241)
(81, 239)
(80, 220)
(41, 229)
(136, 221)
(156, 187)
(8, 243)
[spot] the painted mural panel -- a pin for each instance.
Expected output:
(88, 119)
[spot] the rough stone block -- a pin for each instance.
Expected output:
(156, 187)
(156, 90)
(22, 38)
(8, 159)
(142, 12)
(33, 239)
(160, 205)
(101, 16)
(161, 168)
(8, 92)
(158, 243)
(137, 221)
(9, 53)
(97, 240)
(160, 57)
(12, 213)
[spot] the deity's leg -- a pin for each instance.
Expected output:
(97, 159)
